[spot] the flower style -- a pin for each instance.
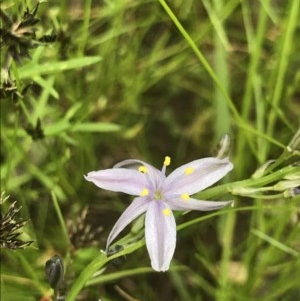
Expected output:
(157, 195)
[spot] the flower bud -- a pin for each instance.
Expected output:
(54, 270)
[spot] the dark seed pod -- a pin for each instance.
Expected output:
(296, 190)
(54, 270)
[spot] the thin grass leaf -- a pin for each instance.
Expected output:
(275, 243)
(31, 70)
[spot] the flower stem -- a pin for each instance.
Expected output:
(96, 265)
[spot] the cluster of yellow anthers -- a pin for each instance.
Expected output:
(157, 194)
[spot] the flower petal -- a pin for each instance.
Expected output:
(138, 206)
(196, 176)
(178, 203)
(119, 179)
(160, 234)
(154, 175)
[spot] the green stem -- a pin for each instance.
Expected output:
(239, 120)
(94, 266)
(226, 241)
(220, 190)
(201, 58)
(85, 27)
(60, 216)
(255, 41)
(283, 61)
(18, 83)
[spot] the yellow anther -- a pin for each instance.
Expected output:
(185, 196)
(166, 212)
(167, 161)
(144, 192)
(143, 169)
(189, 170)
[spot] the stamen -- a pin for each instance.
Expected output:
(166, 212)
(143, 169)
(189, 170)
(185, 196)
(167, 161)
(144, 192)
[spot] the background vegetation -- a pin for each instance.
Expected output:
(86, 84)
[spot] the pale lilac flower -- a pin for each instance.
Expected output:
(157, 195)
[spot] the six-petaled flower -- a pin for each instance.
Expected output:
(157, 195)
